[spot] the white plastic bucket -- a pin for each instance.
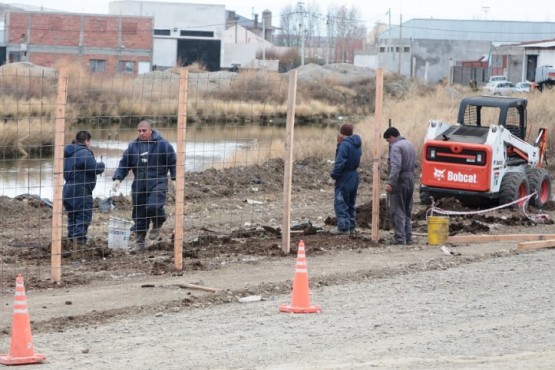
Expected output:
(119, 233)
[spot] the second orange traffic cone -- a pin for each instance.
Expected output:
(300, 296)
(21, 347)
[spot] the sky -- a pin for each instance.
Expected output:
(371, 11)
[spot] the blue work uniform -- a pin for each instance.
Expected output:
(150, 161)
(80, 170)
(345, 174)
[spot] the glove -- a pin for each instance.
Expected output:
(115, 186)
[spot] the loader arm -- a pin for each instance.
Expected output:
(520, 151)
(541, 143)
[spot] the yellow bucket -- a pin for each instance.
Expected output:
(438, 229)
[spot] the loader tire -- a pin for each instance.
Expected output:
(540, 182)
(514, 186)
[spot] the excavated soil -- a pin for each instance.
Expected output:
(214, 245)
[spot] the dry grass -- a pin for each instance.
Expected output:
(254, 86)
(410, 115)
(249, 97)
(26, 137)
(258, 95)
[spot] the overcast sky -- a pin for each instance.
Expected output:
(528, 10)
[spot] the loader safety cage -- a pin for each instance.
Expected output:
(511, 113)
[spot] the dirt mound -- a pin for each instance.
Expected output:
(27, 69)
(342, 73)
(212, 241)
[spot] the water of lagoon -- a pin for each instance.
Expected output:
(205, 148)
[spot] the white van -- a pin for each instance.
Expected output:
(497, 79)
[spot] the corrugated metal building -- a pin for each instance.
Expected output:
(427, 49)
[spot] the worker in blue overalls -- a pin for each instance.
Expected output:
(150, 157)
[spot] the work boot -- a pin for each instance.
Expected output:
(154, 233)
(78, 247)
(140, 242)
(336, 231)
(396, 242)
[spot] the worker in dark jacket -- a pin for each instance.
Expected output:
(345, 174)
(150, 157)
(400, 184)
(80, 170)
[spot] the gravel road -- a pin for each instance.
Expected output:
(493, 314)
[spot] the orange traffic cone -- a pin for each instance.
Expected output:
(21, 348)
(300, 297)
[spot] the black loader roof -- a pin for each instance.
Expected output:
(475, 103)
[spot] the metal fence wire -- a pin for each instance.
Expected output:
(232, 136)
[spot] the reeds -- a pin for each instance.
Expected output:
(253, 98)
(26, 137)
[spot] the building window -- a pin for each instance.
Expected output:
(97, 65)
(126, 66)
(197, 33)
(382, 49)
(14, 56)
(162, 32)
(407, 49)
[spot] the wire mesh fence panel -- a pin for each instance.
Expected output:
(233, 175)
(117, 143)
(235, 132)
(26, 146)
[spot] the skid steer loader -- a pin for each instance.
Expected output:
(484, 156)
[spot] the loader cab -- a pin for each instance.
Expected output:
(492, 110)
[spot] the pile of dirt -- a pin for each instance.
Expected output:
(340, 73)
(27, 69)
(211, 244)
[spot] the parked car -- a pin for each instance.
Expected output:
(500, 88)
(524, 86)
(494, 79)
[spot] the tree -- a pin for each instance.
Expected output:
(346, 33)
(337, 34)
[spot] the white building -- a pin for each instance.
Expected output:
(242, 47)
(184, 33)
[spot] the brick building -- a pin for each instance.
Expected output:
(103, 44)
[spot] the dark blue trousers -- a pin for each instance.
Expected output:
(345, 199)
(148, 208)
(79, 216)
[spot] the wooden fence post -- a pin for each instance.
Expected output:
(376, 156)
(58, 181)
(288, 165)
(180, 168)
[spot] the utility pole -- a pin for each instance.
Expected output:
(388, 41)
(236, 27)
(302, 31)
(328, 27)
(400, 38)
(263, 41)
